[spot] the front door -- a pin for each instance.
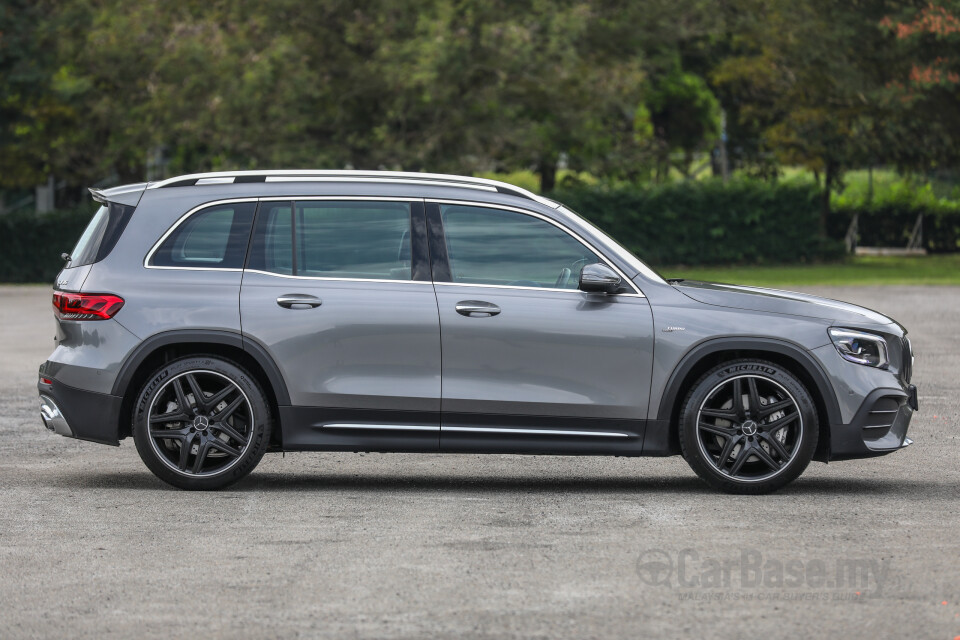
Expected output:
(338, 292)
(531, 363)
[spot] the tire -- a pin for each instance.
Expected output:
(777, 432)
(227, 432)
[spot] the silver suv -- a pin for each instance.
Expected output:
(215, 317)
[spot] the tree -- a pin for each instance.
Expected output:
(809, 81)
(685, 115)
(29, 114)
(518, 84)
(923, 83)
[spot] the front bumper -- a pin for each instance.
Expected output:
(879, 426)
(76, 413)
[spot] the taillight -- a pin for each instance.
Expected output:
(86, 306)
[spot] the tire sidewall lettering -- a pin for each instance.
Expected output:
(741, 369)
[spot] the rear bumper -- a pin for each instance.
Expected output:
(879, 426)
(76, 413)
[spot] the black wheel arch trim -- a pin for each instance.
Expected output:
(780, 347)
(202, 336)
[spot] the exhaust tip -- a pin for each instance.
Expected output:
(53, 418)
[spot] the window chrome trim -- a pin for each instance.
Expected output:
(539, 432)
(543, 289)
(258, 199)
(333, 279)
(219, 270)
(176, 225)
(281, 198)
(486, 205)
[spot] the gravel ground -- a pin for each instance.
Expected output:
(350, 545)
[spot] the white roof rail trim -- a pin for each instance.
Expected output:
(467, 185)
(217, 180)
(220, 177)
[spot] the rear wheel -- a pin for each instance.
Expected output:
(748, 427)
(201, 422)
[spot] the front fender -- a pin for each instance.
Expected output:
(660, 439)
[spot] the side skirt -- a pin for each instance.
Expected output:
(336, 429)
(547, 435)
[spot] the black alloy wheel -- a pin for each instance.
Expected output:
(202, 423)
(748, 427)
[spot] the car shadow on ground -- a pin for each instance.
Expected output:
(472, 484)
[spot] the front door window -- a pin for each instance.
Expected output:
(499, 247)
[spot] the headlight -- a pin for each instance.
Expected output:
(859, 347)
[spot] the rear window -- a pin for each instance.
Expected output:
(212, 238)
(101, 234)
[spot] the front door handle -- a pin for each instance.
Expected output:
(477, 308)
(289, 300)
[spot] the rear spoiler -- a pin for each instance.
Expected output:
(97, 194)
(127, 194)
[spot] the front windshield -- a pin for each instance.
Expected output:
(622, 252)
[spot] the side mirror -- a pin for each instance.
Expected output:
(599, 278)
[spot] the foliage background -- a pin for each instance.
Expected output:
(628, 110)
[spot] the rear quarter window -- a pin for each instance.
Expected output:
(213, 238)
(101, 234)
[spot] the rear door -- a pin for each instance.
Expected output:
(530, 363)
(338, 292)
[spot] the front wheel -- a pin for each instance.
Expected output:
(748, 427)
(201, 422)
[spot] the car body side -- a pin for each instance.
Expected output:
(177, 311)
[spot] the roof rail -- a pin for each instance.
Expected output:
(301, 175)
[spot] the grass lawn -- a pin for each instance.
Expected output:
(936, 269)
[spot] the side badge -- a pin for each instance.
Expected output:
(670, 329)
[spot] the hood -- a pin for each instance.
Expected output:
(776, 301)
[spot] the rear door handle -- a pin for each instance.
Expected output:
(289, 300)
(477, 308)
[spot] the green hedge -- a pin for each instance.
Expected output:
(888, 218)
(709, 222)
(31, 244)
(891, 226)
(688, 223)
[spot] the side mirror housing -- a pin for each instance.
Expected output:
(599, 278)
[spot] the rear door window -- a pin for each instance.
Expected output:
(272, 246)
(352, 240)
(212, 238)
